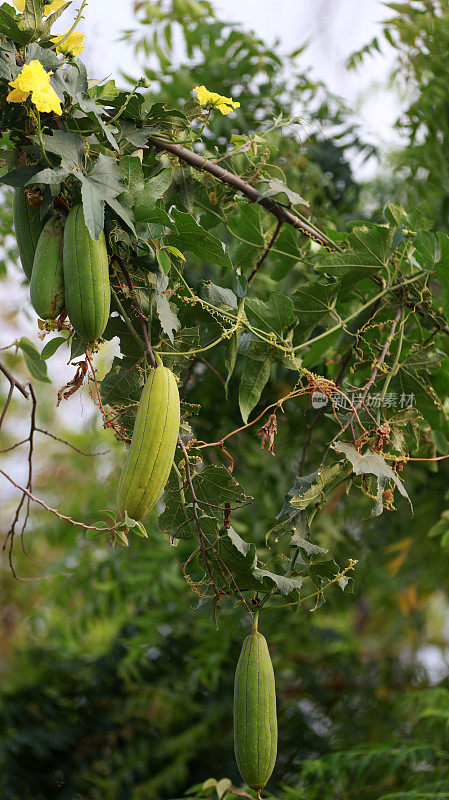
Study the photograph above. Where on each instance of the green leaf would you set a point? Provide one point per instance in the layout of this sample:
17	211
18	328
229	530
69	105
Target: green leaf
168	319
50	348
312	303
107	91
131	167
192	237
136	526
277	188
136	136
70	146
34	11
78	347
215	485
372	464
182	187
231	355
8	67
414	369
153	189
216	295
20	176
233	560
255	375
9	26
185	340
246	224
371	245
284	585
50	176
103	184
163	259
273	316
122	384
36	365
426	249
175	252
313	493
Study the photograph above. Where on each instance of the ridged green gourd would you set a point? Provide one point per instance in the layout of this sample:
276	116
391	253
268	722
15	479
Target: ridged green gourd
150	456
47	279
255	721
27	226
86	277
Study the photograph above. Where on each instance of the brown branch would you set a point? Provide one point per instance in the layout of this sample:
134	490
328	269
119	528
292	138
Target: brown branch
219	443
137	306
13	381
267	250
6	406
54	510
68	444
282	214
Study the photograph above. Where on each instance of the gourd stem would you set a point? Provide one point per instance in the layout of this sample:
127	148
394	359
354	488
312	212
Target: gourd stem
255	621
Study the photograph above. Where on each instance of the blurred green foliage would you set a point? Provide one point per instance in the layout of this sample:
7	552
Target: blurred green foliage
116	685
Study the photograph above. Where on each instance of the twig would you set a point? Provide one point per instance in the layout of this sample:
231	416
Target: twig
341	372
13	381
212	369
267	250
202	536
54	510
277	404
319	414
137	306
10	536
280	212
195	509
378	364
68	444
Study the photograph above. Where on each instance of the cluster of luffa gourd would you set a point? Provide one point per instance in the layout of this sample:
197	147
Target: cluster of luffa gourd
67	269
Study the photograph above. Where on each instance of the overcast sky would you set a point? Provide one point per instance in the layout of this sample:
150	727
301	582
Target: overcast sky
334	28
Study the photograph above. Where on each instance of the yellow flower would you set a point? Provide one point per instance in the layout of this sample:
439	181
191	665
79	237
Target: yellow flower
214	100
55	5
73	45
34	80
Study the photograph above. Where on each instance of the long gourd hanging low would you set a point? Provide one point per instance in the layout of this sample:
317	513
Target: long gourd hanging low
153	445
255	720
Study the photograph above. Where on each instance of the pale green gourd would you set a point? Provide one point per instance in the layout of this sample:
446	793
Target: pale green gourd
86	277
47	278
255	720
152	449
27	227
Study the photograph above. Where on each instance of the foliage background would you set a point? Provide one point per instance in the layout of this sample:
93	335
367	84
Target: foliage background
114	684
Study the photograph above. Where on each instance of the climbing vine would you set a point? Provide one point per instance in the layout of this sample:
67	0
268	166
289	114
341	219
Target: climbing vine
219	268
